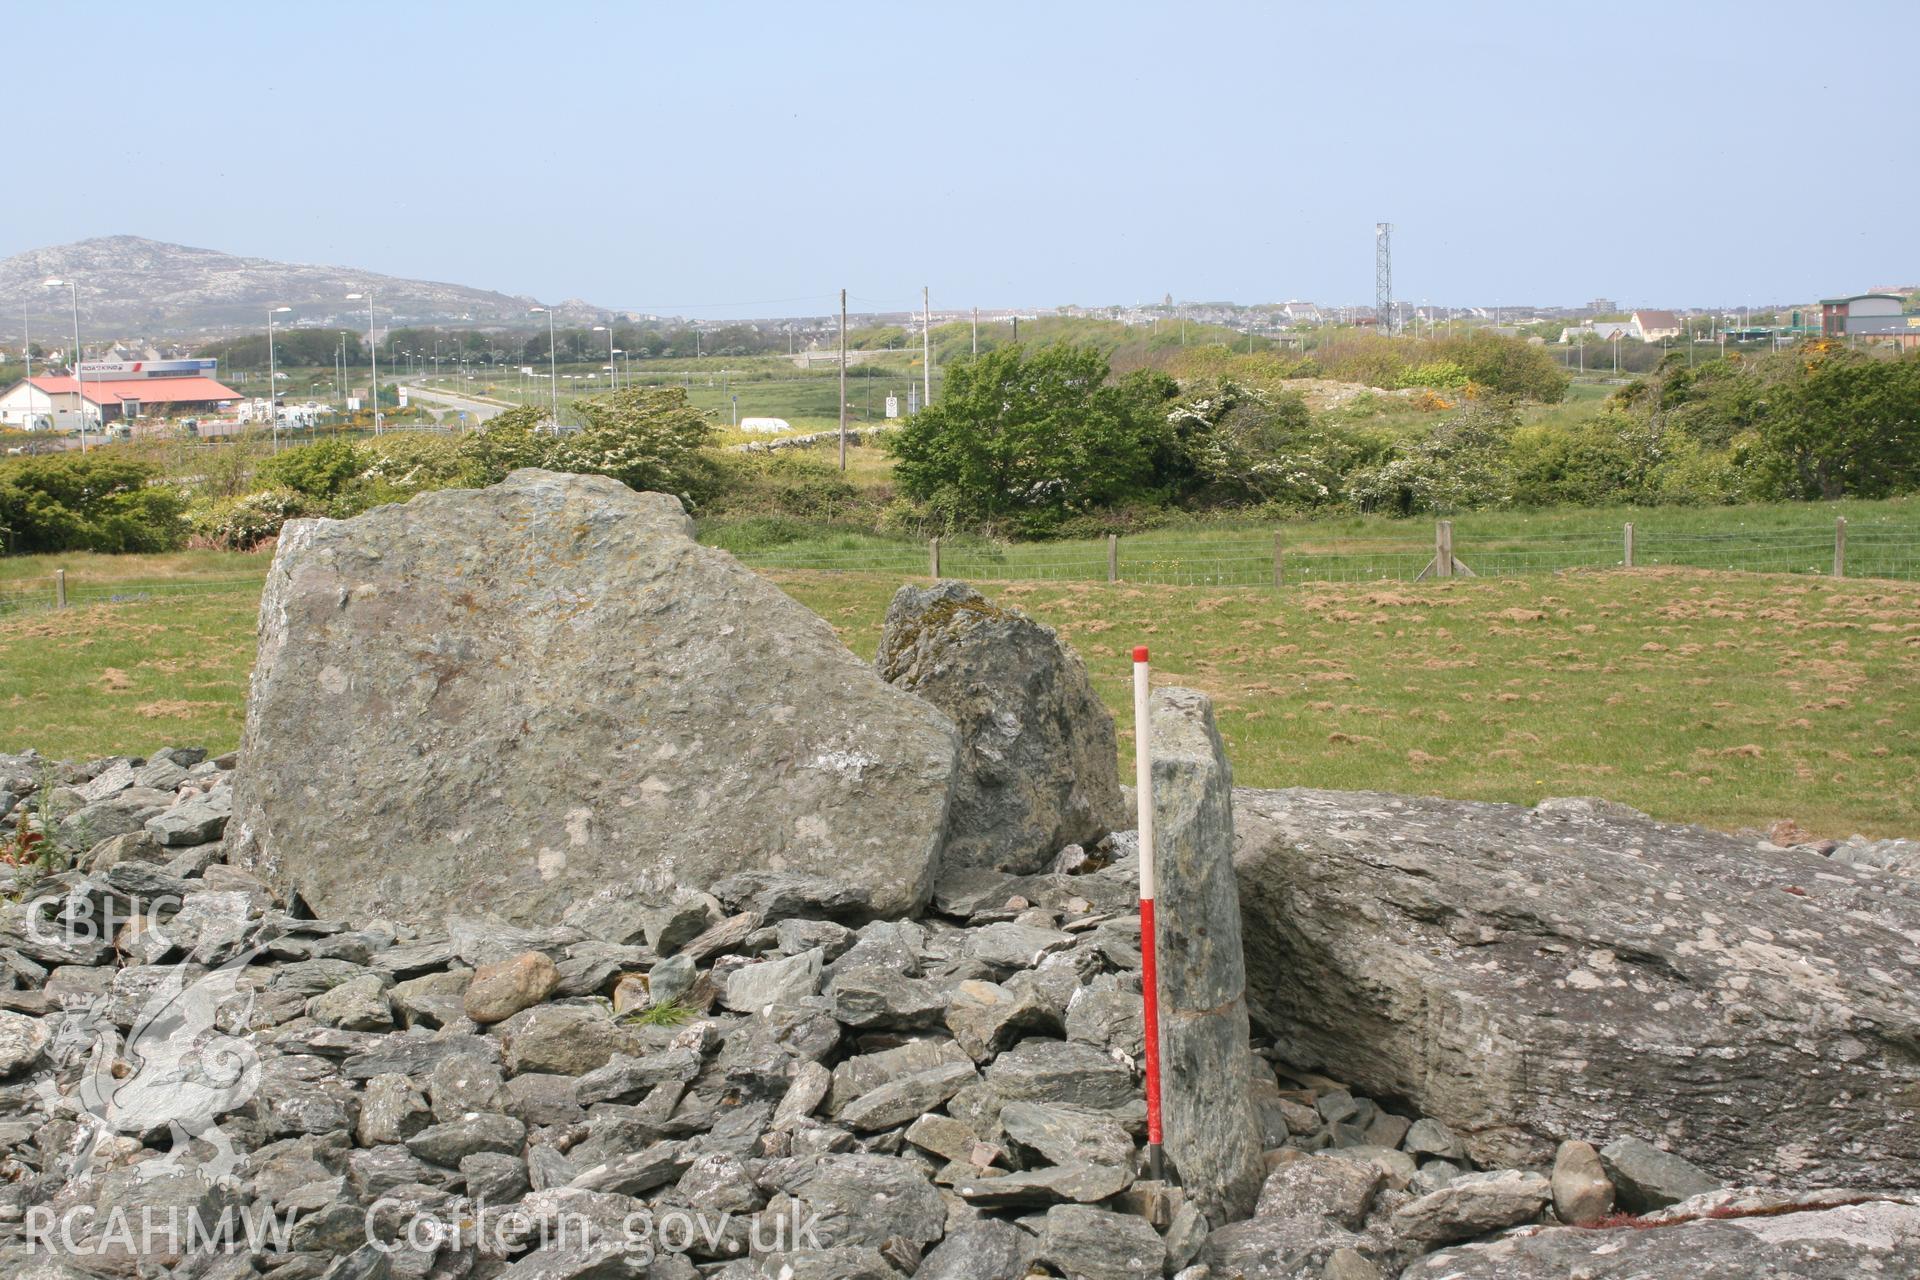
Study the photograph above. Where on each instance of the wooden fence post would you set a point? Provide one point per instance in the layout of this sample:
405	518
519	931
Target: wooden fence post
1279	572
1629	544
933	557
59	588
1113	557
1443	549
1839	546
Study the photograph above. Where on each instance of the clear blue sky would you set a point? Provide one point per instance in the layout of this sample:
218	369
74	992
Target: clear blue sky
749	158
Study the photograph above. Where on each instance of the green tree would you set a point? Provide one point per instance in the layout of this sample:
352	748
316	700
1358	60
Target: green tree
1842	424
1032	437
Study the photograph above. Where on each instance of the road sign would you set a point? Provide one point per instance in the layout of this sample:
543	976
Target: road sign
893	406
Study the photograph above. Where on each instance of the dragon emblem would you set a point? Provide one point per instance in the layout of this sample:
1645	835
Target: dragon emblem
177	1068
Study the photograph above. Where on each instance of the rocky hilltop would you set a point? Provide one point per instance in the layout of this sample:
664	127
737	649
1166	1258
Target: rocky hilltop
390	1002
148	287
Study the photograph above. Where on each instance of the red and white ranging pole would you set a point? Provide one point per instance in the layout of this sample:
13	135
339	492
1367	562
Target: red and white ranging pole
1149	982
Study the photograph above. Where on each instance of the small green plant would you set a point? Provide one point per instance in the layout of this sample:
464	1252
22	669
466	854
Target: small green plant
668	1013
35	842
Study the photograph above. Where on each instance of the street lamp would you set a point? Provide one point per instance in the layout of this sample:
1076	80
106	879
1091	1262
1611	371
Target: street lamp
273	377
79	377
553	364
373	350
608	330
26	354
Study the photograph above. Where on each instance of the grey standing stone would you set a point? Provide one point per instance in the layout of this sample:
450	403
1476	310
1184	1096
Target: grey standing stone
444	711
1039	757
1212	1132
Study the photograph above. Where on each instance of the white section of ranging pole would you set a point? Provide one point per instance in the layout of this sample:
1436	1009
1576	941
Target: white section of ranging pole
1143	770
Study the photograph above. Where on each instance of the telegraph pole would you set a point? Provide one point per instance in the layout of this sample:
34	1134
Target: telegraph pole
843	379
976	333
926	349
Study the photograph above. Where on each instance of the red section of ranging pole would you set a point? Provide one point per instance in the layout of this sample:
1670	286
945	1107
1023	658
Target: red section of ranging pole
1149	971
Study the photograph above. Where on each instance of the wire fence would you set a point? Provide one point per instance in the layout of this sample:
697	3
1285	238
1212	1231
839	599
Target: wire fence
1299	555
1284	558
61	591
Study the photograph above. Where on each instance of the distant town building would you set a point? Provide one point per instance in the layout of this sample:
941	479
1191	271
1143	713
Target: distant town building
1600	331
1869	315
114	389
1652	326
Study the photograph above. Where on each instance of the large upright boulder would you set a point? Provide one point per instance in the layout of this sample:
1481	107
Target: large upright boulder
1532	975
1039	756
1212	1133
505	699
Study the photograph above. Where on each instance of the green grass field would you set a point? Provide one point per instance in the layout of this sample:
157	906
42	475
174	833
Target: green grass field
767	386
1728	699
1883	540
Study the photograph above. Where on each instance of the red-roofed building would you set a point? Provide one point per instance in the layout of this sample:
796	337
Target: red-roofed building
42	402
